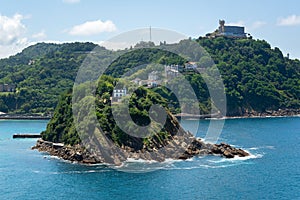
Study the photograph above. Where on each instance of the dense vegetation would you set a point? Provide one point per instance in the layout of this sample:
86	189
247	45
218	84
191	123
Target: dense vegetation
41	72
61	127
256	76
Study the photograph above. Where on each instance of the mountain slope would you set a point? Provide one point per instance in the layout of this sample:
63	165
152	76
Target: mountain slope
257	78
41	73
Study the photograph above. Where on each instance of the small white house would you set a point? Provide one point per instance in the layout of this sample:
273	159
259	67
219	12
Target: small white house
117	93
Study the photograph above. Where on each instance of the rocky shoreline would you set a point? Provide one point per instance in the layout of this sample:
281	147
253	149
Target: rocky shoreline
71	153
268	113
244	114
197	147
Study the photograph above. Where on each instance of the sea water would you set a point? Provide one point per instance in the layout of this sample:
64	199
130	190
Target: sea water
271	172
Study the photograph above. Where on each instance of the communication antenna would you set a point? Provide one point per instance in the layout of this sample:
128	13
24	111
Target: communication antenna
150	35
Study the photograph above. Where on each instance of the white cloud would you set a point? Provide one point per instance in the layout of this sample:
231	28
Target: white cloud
11	29
255	25
93	28
40	36
18	46
71	1
258	24
115	45
12	39
292	20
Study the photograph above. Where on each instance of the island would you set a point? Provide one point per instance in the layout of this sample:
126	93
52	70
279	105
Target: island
112	145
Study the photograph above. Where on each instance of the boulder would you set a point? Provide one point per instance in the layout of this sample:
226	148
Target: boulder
228	154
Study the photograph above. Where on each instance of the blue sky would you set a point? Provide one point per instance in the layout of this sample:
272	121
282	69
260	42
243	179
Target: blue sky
26	22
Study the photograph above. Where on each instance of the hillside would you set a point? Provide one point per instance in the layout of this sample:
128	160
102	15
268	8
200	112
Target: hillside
257	78
151	135
62	129
41	73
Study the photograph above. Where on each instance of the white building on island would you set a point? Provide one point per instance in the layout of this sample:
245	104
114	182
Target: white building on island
118	94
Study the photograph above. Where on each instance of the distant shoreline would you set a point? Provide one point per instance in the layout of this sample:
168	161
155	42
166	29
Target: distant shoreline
267	114
256	117
23	117
249	115
253	114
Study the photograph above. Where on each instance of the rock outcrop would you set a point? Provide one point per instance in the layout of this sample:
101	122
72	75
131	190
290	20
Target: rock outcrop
182	151
71	153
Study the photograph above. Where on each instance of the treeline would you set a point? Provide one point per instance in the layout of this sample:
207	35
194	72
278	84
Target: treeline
62	128
41	72
256	76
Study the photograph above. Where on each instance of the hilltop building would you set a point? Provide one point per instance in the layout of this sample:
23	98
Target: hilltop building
228	31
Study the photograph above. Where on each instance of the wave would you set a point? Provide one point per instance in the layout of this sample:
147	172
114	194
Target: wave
261	147
81	172
200	162
74	171
142	166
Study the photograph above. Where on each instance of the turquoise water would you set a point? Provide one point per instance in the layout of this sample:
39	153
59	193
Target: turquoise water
273	172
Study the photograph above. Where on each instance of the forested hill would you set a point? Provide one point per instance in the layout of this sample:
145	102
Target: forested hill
41	73
256	76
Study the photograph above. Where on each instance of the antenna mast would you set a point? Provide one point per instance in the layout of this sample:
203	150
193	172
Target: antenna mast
150	35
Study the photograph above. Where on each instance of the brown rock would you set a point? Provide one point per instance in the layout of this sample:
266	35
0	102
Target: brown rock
228	154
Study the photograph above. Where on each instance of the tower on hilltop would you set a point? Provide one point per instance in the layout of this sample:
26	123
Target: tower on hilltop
228	31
